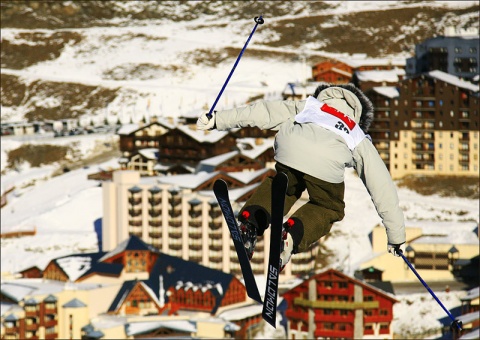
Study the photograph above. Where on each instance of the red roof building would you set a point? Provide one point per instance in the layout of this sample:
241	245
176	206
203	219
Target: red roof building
331	304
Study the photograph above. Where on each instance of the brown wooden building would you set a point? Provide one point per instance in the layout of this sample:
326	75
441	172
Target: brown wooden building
427	125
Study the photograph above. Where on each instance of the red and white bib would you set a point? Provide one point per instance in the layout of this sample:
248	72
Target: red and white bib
329	118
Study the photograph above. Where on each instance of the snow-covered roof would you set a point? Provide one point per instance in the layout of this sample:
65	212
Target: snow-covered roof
454	80
132	243
127	129
201	136
216	160
251	148
387	91
149	153
458	237
247	176
137	328
241	313
75	266
239	192
472	294
378	76
474	335
188	181
358	60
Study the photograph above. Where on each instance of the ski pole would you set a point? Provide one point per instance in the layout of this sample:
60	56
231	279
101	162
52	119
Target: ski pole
258	21
457	323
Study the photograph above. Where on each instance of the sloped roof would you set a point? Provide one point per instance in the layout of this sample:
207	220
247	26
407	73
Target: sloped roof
125	290
132	243
378	75
453	80
188	181
174	270
361	283
138	328
387	91
74	303
201	136
76	265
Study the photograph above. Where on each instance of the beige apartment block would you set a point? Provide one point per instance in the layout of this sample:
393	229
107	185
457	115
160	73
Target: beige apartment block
431	249
181	222
54	310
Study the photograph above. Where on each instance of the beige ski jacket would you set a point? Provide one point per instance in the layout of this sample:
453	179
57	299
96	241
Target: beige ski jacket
322	153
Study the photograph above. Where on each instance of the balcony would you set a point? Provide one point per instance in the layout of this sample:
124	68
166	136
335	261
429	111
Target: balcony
135	223
215	247
135	233
215	225
215	236
175	246
195	246
215	213
195	224
155	212
336	304
50	323
296	315
175	212
197	259
175	234
154	201
155	234
134	201
215	259
155	223
135	212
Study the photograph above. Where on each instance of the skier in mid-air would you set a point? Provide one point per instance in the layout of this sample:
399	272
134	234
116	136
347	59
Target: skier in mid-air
317	139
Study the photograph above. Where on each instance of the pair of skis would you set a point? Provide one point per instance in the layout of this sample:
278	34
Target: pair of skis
279	187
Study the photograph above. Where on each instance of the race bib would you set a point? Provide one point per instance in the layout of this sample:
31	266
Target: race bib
331	119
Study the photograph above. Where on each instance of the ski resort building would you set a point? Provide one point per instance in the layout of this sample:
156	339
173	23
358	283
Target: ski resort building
427	125
179	215
436	249
132	291
456	53
330	304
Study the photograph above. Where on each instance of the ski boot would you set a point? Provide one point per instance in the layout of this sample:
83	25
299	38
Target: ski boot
249	234
286	247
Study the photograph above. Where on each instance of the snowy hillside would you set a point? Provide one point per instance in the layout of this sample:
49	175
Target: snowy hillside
128	64
132	60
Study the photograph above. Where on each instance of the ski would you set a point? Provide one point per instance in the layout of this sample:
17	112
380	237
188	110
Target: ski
220	190
279	187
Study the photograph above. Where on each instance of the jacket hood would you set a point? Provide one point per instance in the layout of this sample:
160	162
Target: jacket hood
348	99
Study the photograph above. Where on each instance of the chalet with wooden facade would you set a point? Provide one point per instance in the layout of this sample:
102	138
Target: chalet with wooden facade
134	137
331	304
341	70
365	80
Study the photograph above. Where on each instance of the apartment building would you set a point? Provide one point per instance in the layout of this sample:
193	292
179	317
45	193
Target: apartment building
456	53
427	125
180	216
434	249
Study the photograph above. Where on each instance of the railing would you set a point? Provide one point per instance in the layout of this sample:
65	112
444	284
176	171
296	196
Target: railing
336	304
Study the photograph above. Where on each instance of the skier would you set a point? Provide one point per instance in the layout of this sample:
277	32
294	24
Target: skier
317	139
